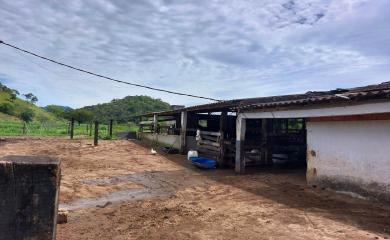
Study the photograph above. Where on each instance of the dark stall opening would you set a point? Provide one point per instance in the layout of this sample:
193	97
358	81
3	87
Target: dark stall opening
280	143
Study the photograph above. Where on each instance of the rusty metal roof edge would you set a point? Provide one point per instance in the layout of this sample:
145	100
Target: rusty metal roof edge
291	99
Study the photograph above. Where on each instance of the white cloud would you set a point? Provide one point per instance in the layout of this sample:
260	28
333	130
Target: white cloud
221	49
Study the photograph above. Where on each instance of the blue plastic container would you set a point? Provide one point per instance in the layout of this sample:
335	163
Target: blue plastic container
203	162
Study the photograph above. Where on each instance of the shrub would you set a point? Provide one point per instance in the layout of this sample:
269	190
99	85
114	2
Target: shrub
7	108
27	115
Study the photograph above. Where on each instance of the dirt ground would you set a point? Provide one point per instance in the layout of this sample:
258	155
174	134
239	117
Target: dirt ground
118	190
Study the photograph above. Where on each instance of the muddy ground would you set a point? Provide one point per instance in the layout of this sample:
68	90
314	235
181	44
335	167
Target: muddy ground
118	190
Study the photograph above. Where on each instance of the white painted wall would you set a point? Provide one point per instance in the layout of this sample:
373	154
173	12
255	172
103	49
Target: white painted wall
355	150
318	111
162	139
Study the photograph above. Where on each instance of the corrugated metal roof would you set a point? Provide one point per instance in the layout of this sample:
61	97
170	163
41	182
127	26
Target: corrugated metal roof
377	91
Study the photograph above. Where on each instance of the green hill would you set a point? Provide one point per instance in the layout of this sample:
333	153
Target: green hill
122	110
11	107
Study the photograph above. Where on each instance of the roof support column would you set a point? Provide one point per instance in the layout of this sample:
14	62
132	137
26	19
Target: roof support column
240	144
222	130
155	123
183	132
265	154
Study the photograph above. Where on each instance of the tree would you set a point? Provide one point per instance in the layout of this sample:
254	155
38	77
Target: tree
59	111
28	96
82	115
31	97
14	94
27	116
34	100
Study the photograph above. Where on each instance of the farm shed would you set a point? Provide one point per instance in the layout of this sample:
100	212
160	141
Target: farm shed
339	136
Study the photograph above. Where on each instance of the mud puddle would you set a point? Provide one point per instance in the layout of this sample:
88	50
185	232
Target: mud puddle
154	184
124	195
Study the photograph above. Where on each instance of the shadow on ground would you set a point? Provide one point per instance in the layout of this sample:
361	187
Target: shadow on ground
364	214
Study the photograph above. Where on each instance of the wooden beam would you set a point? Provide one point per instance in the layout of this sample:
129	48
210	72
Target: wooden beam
240	142
264	137
210	133
210	143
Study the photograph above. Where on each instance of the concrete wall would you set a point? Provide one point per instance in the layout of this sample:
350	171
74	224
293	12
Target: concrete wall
350	156
162	139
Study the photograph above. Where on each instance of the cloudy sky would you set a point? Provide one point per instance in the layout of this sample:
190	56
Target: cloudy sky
216	48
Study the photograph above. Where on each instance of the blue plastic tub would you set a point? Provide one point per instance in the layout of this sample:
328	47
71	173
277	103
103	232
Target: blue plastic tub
203	162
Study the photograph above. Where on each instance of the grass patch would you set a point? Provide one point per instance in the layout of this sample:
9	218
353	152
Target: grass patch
15	128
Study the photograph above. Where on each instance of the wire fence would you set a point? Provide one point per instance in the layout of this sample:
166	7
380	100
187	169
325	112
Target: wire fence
12	128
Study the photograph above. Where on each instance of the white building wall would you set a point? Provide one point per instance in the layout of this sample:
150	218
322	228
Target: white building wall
350	155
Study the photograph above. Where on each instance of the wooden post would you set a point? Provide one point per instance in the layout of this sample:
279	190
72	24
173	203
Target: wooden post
240	144
71	128
183	132
222	129
90	128
264	145
110	128
96	136
24	128
29	188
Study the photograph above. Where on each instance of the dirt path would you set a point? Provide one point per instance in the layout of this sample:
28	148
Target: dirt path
119	191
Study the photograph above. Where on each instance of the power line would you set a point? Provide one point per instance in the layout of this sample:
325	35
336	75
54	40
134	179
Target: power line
105	77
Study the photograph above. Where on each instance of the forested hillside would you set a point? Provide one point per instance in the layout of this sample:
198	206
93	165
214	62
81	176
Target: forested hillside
14	108
122	110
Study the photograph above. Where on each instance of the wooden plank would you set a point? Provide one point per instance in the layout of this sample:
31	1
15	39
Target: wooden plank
207	152
211	148
211	138
210	133
206	142
29	187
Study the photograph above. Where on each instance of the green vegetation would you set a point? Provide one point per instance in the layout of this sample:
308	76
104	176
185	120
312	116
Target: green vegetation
19	117
123	110
14	107
15	128
59	111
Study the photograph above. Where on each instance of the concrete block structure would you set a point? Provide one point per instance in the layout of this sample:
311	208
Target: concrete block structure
29	188
340	137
